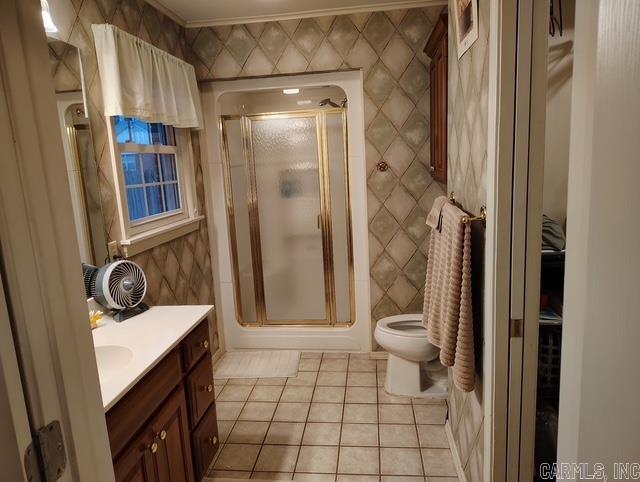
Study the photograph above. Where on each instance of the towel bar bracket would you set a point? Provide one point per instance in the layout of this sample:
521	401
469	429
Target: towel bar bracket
469	219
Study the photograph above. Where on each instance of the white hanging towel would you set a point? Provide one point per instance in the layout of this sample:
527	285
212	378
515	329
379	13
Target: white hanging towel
447	313
143	81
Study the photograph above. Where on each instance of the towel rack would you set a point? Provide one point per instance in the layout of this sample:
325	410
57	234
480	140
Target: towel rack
469	218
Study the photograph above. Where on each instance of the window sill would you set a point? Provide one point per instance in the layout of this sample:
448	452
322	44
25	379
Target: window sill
155	237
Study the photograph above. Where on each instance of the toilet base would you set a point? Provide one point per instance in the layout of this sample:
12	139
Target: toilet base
406	378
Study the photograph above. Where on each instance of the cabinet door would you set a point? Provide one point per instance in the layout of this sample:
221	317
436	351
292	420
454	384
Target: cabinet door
171	429
137	462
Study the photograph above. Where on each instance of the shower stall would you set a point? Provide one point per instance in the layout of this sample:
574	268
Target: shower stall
287	196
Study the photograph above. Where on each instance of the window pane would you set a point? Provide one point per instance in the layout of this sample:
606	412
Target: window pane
150	167
154	200
135	200
140	131
123	133
168	167
172	198
136	131
131	167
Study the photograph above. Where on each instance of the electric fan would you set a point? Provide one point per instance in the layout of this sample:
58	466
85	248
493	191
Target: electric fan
119	286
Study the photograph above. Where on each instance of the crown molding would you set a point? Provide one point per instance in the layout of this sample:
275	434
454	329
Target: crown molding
168	12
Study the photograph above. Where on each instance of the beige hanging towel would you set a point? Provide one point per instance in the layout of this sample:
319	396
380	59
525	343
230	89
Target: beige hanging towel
447	313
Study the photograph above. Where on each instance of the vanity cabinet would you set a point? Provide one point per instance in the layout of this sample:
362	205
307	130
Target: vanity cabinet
437	49
165	429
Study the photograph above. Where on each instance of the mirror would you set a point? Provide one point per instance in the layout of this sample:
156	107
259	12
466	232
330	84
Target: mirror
82	169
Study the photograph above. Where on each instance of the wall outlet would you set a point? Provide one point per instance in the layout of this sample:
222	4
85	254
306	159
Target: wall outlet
112	250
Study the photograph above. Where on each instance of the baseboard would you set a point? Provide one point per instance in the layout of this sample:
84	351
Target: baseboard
454	452
378	355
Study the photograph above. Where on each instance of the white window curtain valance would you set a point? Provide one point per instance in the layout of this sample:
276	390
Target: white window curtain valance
140	80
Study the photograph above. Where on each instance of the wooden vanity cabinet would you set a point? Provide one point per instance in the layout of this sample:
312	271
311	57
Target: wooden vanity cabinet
165	428
437	49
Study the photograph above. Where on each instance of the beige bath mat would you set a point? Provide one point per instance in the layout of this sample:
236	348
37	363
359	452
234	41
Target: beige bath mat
258	364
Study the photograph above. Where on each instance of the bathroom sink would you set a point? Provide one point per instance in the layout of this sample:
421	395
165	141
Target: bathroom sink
112	359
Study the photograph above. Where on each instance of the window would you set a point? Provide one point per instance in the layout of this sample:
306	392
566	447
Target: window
155	177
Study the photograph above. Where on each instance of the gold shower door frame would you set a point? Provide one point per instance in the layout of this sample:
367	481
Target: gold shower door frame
254	221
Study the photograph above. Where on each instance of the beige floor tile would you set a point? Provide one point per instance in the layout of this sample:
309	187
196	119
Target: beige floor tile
217	391
309	364
303	379
403	478
396	414
381	365
334	354
433	436
297	394
361	395
224	429
438	462
360	413
384	397
430	414
272	475
311	354
441	479
322	434
325	412
358	478
277	458
272	381
267	393
359	365
228	410
291	412
334	365
359	356
242	381
235	393
248	432
317	459
332	379
237	457
258	411
400	461
301	477
382	376
328	395
221	382
392	435
229	474
359	460
285	433
428	401
359	435
361	379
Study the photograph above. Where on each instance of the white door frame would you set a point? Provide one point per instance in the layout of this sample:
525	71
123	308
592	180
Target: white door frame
44	286
515	154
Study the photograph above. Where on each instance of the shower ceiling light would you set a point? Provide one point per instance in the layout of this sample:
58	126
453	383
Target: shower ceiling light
303	102
290	91
49	26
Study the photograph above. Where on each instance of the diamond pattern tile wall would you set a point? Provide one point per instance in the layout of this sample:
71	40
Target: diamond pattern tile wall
178	272
387	46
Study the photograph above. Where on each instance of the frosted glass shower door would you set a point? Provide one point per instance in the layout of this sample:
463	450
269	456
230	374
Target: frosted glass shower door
289	205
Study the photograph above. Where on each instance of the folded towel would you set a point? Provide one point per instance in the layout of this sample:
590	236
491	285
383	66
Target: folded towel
447	312
434	217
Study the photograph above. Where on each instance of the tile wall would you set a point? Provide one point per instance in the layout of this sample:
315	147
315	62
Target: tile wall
178	272
467	151
388	47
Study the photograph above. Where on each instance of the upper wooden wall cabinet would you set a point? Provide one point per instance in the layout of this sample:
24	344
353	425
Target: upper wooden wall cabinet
436	49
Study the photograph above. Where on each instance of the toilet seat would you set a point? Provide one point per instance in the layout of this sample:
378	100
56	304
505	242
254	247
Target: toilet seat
403	325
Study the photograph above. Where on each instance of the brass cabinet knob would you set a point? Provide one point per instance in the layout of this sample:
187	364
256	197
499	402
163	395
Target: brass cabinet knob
209	388
163	435
153	448
213	440
205	344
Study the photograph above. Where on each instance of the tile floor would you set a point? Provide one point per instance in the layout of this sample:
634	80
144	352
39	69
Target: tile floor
333	422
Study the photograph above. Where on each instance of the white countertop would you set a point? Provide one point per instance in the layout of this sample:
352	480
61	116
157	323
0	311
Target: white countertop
136	345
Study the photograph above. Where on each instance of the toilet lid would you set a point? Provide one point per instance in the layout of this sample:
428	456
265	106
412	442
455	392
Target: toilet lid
413	328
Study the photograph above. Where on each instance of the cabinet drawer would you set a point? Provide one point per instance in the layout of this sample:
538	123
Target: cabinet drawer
205	442
129	415
195	345
200	390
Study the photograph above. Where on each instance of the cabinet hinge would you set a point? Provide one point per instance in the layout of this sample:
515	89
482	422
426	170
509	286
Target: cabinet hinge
516	328
45	458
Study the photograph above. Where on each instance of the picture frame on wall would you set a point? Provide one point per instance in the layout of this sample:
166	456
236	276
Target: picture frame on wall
465	18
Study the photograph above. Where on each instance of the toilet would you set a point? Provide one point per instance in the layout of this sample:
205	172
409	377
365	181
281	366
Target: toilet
413	366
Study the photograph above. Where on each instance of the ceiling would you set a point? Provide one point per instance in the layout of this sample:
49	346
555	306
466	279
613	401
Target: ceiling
199	13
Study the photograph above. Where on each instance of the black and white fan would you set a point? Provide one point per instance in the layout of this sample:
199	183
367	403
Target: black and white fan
118	286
